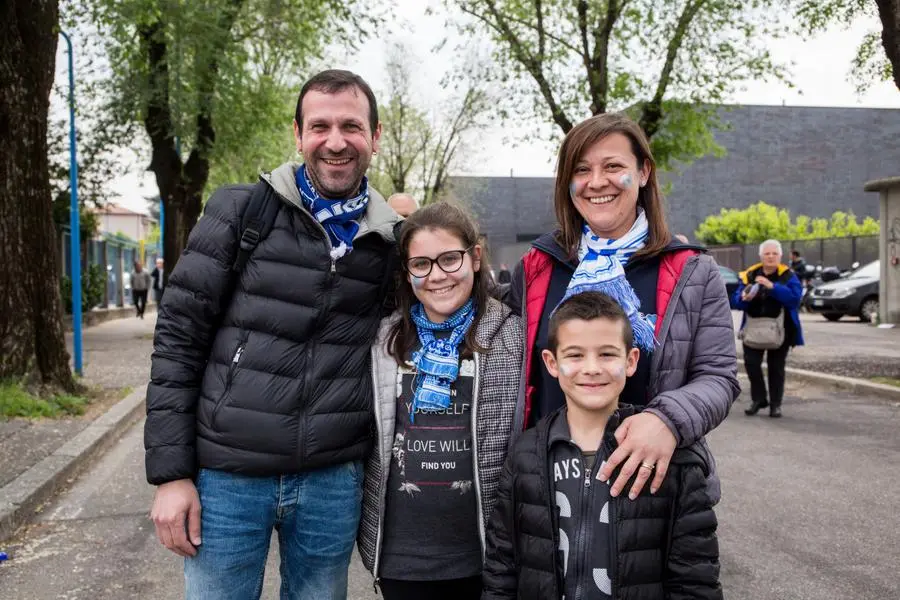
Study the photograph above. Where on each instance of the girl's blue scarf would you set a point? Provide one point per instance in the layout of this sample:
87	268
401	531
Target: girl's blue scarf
602	269
437	362
338	217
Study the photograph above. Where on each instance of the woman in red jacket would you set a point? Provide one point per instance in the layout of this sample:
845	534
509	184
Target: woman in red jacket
613	238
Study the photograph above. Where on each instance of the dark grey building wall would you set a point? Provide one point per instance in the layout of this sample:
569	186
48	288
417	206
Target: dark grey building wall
812	161
809	160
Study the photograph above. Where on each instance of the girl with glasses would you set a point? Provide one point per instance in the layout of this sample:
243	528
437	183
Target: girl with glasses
446	367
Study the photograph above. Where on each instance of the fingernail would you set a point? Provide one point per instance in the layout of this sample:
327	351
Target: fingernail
632	496
198	542
602	477
653	490
613	493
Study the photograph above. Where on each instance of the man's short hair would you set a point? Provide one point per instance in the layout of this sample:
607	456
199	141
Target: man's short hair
795	253
333	81
588	306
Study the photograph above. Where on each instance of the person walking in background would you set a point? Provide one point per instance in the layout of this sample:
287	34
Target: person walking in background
769	294
259	408
403	204
158	280
140	286
556	532
613	238
504	276
447	366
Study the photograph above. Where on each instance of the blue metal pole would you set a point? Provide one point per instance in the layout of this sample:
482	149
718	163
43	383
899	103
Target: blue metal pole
74	219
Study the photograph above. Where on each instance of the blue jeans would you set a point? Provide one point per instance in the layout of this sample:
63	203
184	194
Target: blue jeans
315	513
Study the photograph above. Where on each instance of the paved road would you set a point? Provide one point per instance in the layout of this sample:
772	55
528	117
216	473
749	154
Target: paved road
809	513
839	348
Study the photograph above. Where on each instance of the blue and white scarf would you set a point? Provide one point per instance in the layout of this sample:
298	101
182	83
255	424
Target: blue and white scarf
338	217
602	269
437	361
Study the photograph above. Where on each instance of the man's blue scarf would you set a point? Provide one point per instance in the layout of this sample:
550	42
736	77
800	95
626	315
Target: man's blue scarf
338	217
437	362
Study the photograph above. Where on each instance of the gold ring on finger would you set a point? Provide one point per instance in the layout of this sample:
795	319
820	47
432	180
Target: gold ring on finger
648	466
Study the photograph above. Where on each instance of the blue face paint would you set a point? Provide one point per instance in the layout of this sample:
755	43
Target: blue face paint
572	190
626	181
417	282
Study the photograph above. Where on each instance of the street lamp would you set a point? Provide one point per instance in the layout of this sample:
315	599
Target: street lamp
74	220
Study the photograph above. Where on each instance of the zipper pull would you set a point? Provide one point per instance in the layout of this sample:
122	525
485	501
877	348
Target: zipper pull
376	583
587	479
333	266
237	355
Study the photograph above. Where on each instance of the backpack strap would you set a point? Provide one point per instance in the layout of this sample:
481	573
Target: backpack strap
256	223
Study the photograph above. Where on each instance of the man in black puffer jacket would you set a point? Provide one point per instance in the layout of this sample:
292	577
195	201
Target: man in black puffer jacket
556	531
259	410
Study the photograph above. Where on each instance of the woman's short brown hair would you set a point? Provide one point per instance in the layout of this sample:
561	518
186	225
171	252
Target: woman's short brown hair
576	143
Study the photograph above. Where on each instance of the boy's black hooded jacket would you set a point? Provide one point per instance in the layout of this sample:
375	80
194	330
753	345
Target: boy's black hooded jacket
664	545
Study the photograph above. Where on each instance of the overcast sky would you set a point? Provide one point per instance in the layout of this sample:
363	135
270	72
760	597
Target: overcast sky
819	74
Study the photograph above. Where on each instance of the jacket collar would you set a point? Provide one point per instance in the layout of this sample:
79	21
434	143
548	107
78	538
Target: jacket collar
378	218
559	425
548	244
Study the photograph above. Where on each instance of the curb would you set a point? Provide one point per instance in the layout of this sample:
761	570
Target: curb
22	496
851	384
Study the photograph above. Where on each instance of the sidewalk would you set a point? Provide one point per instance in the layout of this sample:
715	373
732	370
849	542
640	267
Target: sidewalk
40	456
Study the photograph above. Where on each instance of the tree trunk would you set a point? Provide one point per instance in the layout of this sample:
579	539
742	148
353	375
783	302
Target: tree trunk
889	11
32	342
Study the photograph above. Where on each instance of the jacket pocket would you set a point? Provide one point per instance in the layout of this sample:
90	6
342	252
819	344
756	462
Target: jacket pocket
232	368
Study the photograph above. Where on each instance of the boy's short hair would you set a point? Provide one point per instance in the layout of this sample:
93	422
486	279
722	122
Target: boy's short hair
588	306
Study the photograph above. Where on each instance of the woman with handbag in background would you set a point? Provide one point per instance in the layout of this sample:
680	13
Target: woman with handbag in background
769	295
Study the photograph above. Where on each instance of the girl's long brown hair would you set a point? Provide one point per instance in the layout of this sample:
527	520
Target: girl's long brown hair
578	141
403	337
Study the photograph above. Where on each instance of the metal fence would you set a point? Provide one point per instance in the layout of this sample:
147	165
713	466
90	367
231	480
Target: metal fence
839	252
115	256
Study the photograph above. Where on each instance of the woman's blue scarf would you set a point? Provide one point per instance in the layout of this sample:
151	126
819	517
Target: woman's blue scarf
437	362
338	217
602	269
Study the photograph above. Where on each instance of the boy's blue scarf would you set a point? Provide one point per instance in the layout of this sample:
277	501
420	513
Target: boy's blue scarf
437	362
602	269
338	217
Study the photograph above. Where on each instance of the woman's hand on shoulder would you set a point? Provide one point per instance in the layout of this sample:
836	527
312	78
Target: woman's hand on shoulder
644	439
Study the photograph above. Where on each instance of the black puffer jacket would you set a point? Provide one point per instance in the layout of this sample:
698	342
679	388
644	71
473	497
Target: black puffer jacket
272	378
664	546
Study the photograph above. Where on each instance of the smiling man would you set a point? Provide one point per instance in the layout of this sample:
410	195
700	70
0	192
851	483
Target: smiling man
259	406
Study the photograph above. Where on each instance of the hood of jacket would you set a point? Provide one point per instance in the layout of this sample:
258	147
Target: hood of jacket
378	218
744	274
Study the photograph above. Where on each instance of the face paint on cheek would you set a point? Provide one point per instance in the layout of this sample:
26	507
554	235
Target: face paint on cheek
619	372
626	181
417	282
567	370
572	190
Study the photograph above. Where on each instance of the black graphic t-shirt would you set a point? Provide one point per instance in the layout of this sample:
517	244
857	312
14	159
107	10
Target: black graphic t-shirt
431	516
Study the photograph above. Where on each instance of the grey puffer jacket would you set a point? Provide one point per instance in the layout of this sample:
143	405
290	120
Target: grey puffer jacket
266	372
498	377
693	371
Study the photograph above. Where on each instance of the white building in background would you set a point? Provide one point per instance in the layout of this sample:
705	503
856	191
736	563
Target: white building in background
115	218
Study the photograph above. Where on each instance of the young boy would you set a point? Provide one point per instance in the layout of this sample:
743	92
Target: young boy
555	531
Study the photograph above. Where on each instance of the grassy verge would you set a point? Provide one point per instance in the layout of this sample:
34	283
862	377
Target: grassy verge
15	401
887	380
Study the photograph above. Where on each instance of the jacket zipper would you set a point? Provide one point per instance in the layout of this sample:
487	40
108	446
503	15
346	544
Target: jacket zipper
475	474
242	342
656	357
581	545
383	479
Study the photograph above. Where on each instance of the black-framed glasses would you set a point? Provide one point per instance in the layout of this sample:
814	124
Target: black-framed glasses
449	262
